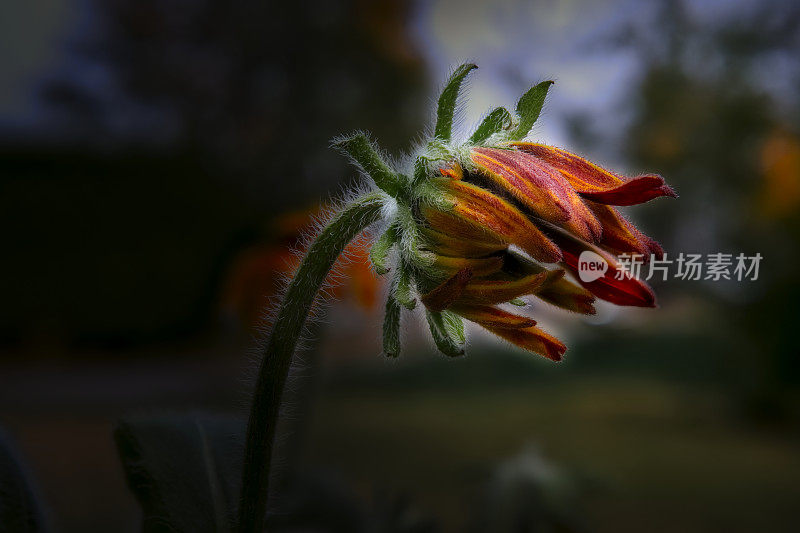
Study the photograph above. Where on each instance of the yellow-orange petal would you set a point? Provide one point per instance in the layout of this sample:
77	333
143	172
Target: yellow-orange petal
491	291
556	289
453	245
479	266
566	295
596	183
538	187
490	316
486	212
620	236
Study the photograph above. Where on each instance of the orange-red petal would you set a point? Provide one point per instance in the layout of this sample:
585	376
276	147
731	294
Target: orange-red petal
534	340
596	183
539	187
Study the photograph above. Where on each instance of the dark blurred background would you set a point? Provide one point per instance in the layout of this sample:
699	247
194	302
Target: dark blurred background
159	158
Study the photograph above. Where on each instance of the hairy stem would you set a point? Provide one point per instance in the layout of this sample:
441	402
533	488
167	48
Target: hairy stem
280	348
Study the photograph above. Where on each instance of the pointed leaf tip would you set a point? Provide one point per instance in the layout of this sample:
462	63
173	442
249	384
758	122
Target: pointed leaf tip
446	108
529	107
363	153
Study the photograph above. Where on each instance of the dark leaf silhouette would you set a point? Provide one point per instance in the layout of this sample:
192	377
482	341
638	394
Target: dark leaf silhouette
21	511
183	469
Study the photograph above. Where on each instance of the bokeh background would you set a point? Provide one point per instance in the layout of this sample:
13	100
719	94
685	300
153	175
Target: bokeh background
159	158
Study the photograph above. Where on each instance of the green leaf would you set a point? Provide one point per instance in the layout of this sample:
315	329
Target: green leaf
185	471
364	154
519	302
447	329
447	102
20	508
498	120
529	108
379	253
391	327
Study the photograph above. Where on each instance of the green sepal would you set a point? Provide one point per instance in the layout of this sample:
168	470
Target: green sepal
519	302
420	170
379	253
391	327
496	121
447	329
411	242
529	107
364	154
402	286
446	109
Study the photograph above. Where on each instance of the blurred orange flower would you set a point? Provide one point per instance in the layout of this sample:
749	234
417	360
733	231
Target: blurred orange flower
780	164
257	273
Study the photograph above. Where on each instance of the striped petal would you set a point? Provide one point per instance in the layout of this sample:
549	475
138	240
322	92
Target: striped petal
622	237
596	183
539	187
477	210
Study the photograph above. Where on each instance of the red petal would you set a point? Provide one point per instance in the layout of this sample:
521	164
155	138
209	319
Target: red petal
627	290
636	191
622	237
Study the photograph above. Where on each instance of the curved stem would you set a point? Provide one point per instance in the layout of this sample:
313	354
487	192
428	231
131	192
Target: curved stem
280	348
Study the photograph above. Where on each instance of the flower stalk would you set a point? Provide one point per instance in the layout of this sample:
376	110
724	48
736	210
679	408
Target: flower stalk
297	302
